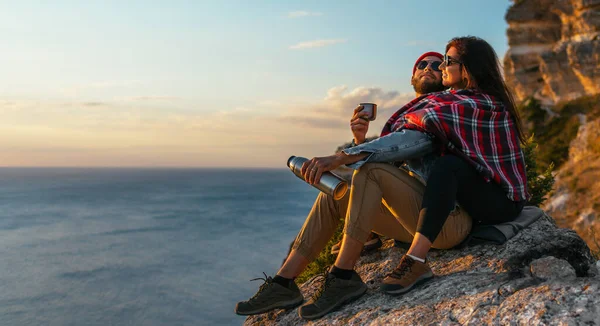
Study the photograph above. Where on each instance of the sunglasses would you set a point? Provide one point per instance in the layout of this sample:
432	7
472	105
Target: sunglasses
448	60
435	65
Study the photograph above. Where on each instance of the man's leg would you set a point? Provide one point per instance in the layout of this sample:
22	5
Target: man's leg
343	284
319	227
281	291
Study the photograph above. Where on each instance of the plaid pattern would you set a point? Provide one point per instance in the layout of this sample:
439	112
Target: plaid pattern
471	125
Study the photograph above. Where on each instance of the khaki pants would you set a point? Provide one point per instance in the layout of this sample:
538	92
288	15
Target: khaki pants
383	199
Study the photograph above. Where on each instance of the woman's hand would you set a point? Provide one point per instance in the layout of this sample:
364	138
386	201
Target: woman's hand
359	124
314	168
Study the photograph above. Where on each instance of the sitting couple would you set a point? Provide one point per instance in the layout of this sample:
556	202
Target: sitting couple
463	142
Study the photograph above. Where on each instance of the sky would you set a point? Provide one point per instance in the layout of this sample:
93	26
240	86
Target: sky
211	83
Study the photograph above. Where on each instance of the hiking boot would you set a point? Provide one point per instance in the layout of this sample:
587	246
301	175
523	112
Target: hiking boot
373	243
270	296
408	274
333	294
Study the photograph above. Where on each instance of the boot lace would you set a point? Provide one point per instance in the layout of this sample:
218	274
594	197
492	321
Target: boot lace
268	280
405	266
326	283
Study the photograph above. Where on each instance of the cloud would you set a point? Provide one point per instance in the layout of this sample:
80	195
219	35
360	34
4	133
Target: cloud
93	104
128	134
314	122
336	109
316	44
302	13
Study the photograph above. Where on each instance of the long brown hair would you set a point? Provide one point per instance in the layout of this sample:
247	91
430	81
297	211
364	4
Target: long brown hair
480	62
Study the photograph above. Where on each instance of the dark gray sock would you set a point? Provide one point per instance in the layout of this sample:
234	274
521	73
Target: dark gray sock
344	274
285	282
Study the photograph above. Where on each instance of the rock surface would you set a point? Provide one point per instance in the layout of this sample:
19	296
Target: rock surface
551	268
554	49
486	284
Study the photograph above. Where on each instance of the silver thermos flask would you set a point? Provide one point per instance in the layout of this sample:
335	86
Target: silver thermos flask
330	183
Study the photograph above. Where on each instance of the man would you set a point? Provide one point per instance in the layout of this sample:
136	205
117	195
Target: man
424	80
342	285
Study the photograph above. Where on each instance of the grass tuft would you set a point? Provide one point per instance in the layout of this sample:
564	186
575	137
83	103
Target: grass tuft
324	260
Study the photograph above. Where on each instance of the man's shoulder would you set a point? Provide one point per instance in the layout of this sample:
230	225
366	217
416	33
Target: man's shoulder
438	97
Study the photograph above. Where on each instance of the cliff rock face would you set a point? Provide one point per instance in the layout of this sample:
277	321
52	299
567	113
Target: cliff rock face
554	51
575	202
544	275
554	56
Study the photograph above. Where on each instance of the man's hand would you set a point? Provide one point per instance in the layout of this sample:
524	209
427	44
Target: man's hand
359	124
313	169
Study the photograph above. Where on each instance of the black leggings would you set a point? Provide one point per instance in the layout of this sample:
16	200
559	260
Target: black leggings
452	180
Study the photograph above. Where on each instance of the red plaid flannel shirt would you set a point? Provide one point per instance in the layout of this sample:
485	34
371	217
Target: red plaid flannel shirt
474	126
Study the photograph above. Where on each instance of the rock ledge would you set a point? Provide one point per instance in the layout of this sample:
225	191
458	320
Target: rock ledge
485	284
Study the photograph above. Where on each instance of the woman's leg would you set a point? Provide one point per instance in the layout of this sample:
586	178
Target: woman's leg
452	179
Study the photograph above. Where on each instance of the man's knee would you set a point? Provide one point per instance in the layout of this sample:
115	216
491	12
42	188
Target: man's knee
370	168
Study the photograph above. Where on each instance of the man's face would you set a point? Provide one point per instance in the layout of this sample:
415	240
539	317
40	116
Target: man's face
426	79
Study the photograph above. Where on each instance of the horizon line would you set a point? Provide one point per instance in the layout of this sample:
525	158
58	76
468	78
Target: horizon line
146	167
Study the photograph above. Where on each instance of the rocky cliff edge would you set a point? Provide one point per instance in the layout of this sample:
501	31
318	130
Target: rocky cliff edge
544	275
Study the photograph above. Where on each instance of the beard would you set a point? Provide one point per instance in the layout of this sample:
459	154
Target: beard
427	86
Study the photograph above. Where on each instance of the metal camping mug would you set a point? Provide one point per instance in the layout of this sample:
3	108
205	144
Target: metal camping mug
371	108
330	183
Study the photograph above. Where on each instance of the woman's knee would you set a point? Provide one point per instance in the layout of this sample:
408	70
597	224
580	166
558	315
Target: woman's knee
449	161
450	164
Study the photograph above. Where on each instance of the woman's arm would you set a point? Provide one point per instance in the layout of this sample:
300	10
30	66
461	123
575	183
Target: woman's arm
397	146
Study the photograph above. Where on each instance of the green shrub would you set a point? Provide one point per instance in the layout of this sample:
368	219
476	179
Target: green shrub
324	260
557	132
539	180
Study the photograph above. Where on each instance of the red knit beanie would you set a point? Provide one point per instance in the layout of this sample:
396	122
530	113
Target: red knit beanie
427	54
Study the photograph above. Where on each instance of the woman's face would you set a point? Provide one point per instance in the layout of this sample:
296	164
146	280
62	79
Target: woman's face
452	70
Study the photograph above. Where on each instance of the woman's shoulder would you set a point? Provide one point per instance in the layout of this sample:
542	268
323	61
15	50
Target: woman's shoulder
465	97
446	97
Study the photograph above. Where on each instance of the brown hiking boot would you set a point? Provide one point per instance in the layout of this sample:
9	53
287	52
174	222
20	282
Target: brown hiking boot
407	274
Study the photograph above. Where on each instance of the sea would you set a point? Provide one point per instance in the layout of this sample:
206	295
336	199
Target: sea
141	246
